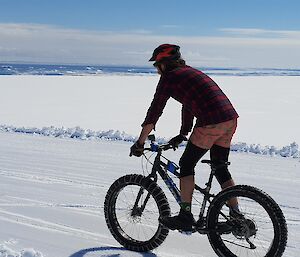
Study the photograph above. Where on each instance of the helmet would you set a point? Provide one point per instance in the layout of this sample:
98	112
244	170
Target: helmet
166	52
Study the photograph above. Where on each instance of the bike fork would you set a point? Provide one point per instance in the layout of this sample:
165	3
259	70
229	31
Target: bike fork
137	211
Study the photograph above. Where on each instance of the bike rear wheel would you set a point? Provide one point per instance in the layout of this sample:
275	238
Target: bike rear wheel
132	207
261	231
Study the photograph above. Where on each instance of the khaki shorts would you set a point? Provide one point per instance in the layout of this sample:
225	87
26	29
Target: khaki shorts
216	134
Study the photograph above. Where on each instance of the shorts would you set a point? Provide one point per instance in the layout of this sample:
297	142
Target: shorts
215	134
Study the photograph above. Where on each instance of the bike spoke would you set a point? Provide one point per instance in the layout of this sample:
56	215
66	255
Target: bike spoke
258	242
137	226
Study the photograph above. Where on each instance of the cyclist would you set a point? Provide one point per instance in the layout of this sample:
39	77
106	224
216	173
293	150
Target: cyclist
216	122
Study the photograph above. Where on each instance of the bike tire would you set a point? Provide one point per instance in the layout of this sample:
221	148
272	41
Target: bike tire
270	237
121	227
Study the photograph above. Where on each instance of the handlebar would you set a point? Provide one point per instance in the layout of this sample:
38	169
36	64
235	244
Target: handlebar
156	147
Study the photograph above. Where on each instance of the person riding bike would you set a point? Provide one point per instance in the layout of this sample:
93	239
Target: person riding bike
216	122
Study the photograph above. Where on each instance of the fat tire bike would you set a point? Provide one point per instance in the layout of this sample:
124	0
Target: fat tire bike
134	204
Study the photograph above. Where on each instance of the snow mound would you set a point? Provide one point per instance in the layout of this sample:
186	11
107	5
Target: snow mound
7	252
77	133
291	150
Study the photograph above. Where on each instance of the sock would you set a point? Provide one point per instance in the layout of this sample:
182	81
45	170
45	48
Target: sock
186	206
236	207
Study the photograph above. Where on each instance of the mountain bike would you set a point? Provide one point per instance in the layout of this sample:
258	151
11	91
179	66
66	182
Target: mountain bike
134	204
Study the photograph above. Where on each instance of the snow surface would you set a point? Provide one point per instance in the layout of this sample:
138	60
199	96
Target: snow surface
291	150
269	107
52	193
52	187
7	252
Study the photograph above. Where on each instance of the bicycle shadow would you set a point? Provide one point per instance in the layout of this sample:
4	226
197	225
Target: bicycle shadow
114	253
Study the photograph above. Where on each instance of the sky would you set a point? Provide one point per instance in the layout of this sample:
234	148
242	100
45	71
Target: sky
229	33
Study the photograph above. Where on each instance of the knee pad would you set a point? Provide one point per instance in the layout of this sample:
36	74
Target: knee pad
187	168
189	159
219	153
222	175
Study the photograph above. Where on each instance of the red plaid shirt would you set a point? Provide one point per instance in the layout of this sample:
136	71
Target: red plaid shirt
199	95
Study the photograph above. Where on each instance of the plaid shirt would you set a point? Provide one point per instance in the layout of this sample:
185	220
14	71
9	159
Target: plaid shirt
199	95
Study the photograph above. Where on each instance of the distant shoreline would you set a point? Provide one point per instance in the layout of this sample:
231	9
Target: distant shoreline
88	70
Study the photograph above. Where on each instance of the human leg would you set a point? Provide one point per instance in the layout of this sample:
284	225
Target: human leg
219	154
187	163
185	220
202	139
187	185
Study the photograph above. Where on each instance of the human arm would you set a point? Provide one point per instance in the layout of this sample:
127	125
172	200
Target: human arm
186	127
187	119
158	104
138	147
154	112
146	130
177	140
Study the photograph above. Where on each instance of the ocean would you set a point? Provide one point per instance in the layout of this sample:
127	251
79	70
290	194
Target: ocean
82	70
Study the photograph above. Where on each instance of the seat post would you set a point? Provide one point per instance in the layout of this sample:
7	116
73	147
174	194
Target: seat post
212	173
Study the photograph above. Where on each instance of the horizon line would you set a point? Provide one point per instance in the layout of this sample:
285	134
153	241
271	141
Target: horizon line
143	66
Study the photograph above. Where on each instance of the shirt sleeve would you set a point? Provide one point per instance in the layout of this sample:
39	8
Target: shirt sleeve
158	103
187	119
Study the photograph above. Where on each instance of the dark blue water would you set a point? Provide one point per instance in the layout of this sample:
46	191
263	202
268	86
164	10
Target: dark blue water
81	70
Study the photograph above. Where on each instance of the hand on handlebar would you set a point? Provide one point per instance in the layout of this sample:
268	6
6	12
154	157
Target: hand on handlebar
177	140
136	149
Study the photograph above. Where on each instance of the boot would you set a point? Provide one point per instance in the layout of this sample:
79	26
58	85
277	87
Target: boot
235	213
184	221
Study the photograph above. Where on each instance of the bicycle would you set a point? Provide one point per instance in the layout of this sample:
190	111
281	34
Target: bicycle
134	203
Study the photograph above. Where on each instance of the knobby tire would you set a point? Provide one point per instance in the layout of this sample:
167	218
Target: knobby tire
160	207
270	211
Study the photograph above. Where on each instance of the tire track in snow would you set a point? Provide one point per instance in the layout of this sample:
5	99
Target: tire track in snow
49	226
91	210
46	179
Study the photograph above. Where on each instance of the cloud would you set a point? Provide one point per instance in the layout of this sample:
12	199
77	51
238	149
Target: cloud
50	44
262	32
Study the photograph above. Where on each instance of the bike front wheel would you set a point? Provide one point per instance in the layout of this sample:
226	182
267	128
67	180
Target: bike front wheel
132	207
259	230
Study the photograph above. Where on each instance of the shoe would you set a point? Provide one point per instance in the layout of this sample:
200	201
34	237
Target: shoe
184	221
235	213
227	226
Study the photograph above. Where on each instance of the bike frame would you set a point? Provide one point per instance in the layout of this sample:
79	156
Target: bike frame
162	168
215	220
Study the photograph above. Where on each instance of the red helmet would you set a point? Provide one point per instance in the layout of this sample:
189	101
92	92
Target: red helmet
166	52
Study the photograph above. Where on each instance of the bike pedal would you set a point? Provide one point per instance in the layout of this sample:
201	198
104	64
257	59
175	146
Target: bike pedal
187	233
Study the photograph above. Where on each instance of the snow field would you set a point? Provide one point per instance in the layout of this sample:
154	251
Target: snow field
53	189
268	106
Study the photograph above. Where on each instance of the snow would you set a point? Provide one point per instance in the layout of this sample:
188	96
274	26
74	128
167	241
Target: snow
6	252
53	189
291	150
64	145
268	106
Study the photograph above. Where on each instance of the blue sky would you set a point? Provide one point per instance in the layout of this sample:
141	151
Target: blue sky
211	33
